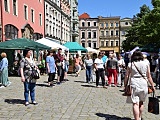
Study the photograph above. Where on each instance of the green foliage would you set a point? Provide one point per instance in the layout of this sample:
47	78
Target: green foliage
145	28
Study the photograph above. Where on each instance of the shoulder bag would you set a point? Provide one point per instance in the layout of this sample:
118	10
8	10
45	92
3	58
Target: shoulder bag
35	73
150	89
127	91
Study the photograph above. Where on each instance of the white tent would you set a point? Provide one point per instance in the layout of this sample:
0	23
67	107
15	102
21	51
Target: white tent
92	50
51	44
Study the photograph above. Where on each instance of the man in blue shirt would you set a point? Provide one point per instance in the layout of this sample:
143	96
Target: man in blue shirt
104	58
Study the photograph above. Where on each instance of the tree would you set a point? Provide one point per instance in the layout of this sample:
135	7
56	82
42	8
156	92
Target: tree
134	33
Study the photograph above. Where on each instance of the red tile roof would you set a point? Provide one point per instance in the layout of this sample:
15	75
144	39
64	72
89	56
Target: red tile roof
84	16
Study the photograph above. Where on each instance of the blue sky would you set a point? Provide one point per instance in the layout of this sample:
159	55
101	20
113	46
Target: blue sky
106	8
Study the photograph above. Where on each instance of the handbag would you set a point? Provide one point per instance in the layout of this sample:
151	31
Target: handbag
150	89
153	104
127	91
35	73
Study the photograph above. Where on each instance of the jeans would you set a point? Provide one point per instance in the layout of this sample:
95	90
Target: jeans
29	87
88	73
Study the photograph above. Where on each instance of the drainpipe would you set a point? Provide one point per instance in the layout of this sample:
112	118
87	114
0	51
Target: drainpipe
1	19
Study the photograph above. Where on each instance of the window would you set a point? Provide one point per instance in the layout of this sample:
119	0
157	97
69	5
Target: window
106	24
117	32
102	25
89	44
102	33
111	43
11	32
95	23
40	19
83	24
15	7
6	5
32	15
94	34
25	12
111	24
107	33
37	36
83	44
106	43
89	34
83	35
117	43
112	33
102	43
117	24
126	23
123	32
46	29
88	24
94	45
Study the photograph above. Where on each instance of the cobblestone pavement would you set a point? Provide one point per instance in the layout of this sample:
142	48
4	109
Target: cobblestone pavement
72	100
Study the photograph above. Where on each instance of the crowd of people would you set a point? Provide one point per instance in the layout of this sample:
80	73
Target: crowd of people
107	68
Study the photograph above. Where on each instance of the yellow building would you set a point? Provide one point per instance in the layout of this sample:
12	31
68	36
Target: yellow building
109	37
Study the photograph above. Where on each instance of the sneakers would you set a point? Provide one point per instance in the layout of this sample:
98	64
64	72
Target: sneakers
34	103
1	86
26	103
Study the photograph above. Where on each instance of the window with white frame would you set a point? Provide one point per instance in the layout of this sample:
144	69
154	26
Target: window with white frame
95	45
107	32
111	24
102	33
14	7
25	12
6	5
94	34
106	24
106	43
83	44
95	23
89	44
117	43
102	25
83	35
112	33
89	24
102	43
117	32
83	24
117	24
32	15
40	19
89	34
112	43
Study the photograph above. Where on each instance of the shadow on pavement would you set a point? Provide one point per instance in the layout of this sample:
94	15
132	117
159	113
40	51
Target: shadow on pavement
80	81
112	117
88	85
42	85
14	101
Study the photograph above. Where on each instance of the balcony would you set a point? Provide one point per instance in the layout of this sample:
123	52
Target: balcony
75	33
109	36
75	9
75	20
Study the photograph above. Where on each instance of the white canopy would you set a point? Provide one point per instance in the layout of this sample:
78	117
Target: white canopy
51	44
92	50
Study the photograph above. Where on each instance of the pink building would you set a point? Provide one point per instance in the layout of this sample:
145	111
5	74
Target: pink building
22	18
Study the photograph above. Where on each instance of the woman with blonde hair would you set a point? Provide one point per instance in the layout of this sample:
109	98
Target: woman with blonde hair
4	70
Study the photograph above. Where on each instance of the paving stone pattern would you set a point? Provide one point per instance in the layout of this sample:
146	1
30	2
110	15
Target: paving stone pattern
72	100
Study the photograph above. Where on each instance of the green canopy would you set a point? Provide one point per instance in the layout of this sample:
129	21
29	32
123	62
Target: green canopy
22	43
74	46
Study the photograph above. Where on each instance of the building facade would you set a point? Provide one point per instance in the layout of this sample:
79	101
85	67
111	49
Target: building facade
74	21
109	37
125	24
22	18
53	19
88	31
66	21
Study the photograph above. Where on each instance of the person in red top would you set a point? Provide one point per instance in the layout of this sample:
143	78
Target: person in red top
60	71
77	64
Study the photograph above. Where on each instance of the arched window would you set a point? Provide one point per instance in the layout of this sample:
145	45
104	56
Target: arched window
37	36
11	32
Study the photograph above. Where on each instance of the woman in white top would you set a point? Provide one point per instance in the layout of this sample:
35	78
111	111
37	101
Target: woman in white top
98	64
139	87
